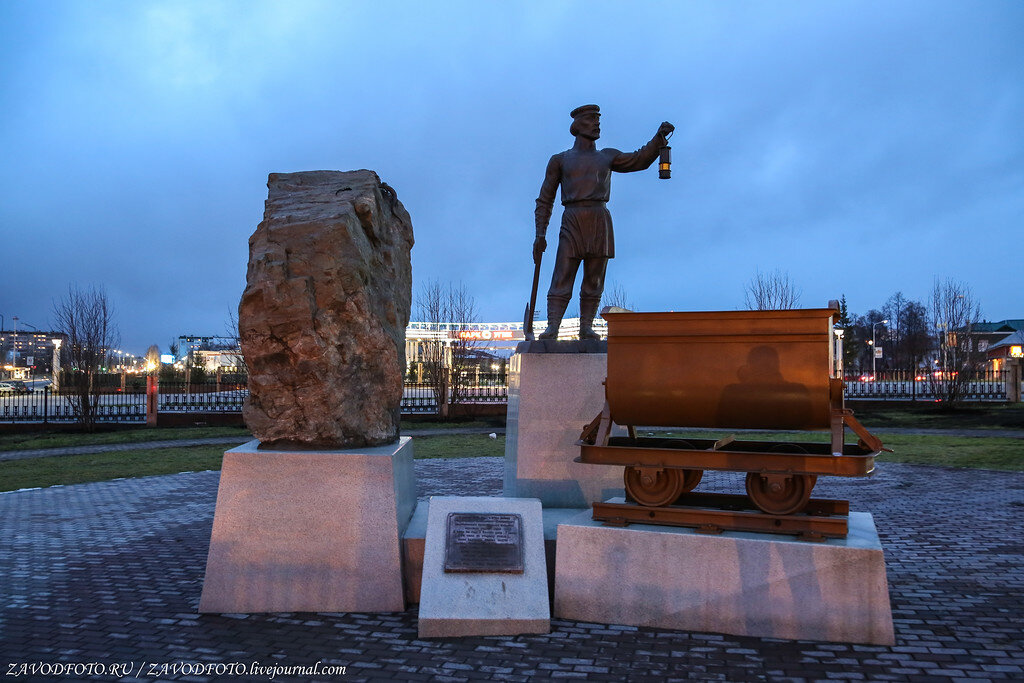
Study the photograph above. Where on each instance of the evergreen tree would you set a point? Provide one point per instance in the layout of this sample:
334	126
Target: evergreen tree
850	336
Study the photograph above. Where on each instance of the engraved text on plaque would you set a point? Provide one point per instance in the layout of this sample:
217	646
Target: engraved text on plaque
484	542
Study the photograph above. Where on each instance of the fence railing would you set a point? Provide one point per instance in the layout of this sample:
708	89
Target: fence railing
984	385
49	405
222	397
126	402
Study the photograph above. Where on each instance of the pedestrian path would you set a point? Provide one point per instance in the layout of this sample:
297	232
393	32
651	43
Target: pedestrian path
179	443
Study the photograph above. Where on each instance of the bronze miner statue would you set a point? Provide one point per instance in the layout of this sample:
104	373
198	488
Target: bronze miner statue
584	172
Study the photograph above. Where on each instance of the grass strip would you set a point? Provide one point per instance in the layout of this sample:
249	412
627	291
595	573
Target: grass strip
79	469
34	440
141	434
458	446
988	453
971	452
930	415
145	462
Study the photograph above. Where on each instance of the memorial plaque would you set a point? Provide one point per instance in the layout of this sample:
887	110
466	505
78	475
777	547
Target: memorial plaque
484	542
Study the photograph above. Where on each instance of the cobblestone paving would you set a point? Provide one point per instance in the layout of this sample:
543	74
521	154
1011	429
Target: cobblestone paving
111	572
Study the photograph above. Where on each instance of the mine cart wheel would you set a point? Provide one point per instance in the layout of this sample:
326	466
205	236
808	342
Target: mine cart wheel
780	494
653	486
690	479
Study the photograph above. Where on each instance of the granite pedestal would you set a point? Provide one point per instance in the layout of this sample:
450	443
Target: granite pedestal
486	603
310	531
415	539
736	583
552	395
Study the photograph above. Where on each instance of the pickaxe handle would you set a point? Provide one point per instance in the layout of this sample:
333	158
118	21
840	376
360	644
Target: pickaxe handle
532	306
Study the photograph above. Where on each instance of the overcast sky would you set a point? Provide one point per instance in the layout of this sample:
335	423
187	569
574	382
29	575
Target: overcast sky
862	147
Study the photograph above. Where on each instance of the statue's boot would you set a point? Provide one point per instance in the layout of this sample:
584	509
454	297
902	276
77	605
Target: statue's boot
556	309
588	309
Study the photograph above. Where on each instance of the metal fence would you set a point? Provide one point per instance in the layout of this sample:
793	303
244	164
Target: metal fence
220	397
126	401
478	387
984	385
48	405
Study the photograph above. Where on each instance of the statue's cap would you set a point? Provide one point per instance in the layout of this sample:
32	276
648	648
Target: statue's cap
585	109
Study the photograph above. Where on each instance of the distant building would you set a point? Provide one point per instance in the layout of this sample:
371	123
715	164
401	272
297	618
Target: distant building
499	338
491	342
188	343
985	335
27	352
212	361
1006	350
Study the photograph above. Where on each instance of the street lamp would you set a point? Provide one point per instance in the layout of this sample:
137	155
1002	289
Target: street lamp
56	363
874	349
14	363
838	360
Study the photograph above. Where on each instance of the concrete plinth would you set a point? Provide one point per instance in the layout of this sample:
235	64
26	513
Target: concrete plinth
551	397
456	604
415	538
310	531
736	583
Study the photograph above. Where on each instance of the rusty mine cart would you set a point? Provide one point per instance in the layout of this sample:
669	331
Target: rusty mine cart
765	370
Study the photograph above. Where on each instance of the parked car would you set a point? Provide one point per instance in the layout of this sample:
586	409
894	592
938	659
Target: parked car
14	387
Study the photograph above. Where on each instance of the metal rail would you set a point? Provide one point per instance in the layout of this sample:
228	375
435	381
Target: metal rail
716	513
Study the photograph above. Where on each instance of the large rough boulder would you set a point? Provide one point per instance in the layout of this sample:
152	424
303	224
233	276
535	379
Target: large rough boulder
323	316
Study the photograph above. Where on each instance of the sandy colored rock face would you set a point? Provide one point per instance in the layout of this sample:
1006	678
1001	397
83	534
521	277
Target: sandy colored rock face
323	316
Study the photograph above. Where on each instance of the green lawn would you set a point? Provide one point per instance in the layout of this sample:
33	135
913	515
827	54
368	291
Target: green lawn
928	415
122	435
144	462
62	439
78	469
949	451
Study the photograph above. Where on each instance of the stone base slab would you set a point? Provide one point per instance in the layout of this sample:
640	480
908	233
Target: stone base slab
310	531
736	583
454	604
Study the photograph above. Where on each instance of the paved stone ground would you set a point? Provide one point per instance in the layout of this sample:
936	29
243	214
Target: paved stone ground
111	572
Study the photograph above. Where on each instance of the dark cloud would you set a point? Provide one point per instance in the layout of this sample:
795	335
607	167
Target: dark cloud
862	147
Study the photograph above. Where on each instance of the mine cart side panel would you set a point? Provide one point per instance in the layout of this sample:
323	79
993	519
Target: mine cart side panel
721	369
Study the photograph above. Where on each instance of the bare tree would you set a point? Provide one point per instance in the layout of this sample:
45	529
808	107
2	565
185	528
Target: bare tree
86	317
894	311
616	297
231	328
447	360
771	291
954	312
914	338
